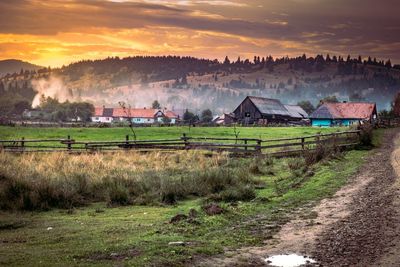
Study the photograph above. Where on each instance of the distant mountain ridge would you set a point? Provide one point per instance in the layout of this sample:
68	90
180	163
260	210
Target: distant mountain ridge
188	82
15	65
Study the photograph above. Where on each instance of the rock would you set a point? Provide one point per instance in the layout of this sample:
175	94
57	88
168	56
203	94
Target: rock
213	209
177	218
177	243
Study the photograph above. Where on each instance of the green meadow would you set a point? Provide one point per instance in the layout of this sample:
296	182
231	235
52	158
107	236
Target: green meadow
144	133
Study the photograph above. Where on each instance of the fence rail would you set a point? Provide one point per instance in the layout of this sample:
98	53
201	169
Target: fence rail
237	146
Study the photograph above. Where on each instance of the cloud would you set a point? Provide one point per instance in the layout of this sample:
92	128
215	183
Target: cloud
69	29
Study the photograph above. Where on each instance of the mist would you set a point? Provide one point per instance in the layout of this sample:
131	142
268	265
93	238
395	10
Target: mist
52	87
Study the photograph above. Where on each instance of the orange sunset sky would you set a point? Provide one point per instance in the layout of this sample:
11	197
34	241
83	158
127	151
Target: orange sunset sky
57	32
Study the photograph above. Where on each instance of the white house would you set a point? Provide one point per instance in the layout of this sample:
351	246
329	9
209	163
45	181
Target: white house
102	115
137	116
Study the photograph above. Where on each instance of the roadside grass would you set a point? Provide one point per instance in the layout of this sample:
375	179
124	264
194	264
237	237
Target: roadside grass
137	235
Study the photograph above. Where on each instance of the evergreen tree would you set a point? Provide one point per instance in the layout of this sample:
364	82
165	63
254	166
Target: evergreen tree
206	115
156	105
227	61
307	106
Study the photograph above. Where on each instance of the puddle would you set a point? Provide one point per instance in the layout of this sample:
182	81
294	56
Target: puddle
290	260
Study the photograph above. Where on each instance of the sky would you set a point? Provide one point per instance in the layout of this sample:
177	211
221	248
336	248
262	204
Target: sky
57	32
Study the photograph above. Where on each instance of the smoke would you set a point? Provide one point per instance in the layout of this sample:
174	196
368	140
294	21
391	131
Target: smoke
52	87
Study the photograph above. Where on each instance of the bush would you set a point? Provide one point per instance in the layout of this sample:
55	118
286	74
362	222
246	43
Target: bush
243	193
118	194
366	134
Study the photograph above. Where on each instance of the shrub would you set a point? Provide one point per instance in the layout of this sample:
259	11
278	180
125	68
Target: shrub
244	193
366	134
118	194
44	181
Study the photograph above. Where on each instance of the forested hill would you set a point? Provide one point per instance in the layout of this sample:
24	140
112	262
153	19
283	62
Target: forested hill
182	82
15	66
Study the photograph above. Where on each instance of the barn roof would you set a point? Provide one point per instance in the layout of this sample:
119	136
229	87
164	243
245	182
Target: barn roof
269	106
349	110
296	111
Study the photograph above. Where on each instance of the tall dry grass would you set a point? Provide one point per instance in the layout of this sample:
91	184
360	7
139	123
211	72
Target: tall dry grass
43	181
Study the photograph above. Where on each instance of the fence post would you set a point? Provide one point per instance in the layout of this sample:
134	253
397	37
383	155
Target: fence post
69	146
185	140
258	147
317	140
22	143
302	143
245	143
127	141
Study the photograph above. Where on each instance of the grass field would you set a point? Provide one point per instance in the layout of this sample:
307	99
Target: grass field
144	133
100	234
134	235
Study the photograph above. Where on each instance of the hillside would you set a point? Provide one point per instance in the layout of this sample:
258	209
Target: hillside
186	82
14	66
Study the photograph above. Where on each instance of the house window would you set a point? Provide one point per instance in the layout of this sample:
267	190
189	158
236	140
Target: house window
148	119
97	118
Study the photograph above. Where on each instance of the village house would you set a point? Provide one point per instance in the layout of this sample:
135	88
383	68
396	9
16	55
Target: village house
102	114
343	114
137	116
267	110
224	119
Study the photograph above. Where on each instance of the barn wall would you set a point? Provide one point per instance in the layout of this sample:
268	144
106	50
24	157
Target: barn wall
247	108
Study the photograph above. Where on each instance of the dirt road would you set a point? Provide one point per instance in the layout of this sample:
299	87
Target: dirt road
370	234
359	226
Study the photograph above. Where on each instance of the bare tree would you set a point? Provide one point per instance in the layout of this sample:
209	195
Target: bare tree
127	112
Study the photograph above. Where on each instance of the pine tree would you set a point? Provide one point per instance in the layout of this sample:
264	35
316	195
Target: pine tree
227	61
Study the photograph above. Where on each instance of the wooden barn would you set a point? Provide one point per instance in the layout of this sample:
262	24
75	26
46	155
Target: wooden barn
343	114
263	110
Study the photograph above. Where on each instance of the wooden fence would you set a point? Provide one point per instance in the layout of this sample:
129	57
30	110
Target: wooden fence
236	146
388	122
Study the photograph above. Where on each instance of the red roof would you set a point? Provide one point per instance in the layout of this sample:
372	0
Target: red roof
349	110
98	112
170	114
135	113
